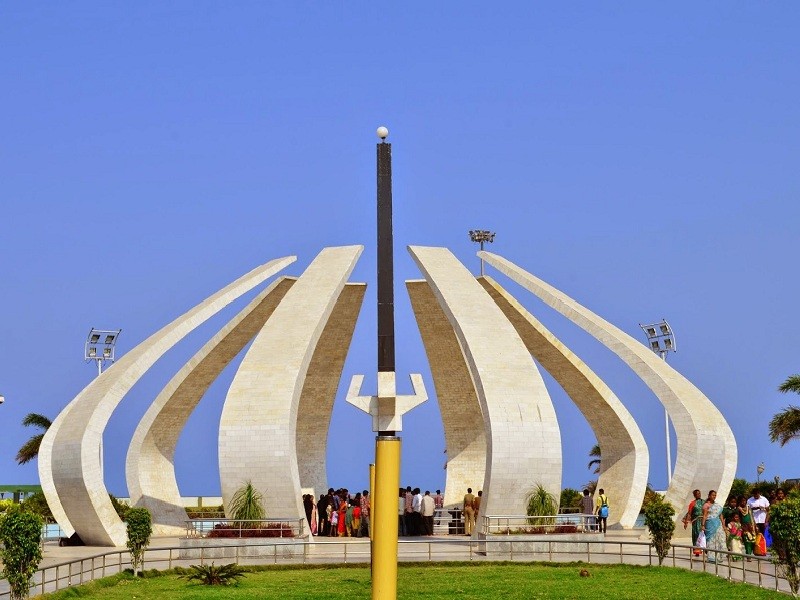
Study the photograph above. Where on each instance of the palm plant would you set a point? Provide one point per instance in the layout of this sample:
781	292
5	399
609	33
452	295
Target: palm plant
597	459
785	425
213	575
247	504
30	449
541	503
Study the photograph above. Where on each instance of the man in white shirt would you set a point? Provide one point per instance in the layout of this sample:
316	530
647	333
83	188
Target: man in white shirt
428	508
401	514
759	506
416	507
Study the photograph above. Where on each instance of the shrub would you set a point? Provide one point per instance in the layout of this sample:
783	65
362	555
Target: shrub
140	528
213	575
247	504
658	517
570	498
5	505
252	530
20	533
784	525
121	508
541	503
37	504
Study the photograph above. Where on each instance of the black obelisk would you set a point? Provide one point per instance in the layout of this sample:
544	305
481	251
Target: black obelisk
386	361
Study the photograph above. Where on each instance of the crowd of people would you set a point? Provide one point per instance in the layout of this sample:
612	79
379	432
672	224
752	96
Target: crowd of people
415	511
736	527
338	513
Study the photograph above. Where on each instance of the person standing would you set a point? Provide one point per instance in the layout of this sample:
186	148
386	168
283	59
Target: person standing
365	512
714	527
409	514
416	506
694	515
428	508
587	510
438	503
401	513
476	506
602	511
469	512
760	508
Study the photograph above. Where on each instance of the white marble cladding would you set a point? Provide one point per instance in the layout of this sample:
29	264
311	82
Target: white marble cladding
150	470
69	461
259	425
706	453
523	440
626	460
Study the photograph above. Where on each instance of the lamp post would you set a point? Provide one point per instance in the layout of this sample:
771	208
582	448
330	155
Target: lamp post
100	345
387	407
759	472
481	236
662	342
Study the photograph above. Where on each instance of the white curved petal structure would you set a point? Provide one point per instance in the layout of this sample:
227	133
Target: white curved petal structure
150	470
462	418
706	453
320	386
523	443
69	461
626	461
258	429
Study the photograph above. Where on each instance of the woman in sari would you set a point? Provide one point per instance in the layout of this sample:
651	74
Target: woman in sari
714	528
695	516
748	526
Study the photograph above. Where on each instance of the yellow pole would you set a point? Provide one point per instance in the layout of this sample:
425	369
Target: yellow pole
372	486
384	538
371	513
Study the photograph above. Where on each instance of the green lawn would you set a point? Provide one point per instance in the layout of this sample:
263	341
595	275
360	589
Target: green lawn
475	580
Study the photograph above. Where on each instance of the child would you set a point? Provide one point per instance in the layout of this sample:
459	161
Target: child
749	540
735	537
334	518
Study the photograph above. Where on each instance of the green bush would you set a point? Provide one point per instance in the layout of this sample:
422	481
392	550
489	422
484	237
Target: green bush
247	504
541	503
140	528
213	575
570	498
658	517
20	534
5	505
784	525
37	504
121	508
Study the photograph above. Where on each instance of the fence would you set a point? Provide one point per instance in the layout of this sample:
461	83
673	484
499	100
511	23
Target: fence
729	565
535	525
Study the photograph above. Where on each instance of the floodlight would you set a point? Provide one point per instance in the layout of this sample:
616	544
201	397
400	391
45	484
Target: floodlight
654	345
668	343
651	332
94	338
664	329
92	352
110	339
106	352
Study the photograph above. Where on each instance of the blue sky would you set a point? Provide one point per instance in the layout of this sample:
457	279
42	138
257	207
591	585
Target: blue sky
639	156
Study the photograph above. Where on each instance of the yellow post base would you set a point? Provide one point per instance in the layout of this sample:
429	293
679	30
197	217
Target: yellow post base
384	515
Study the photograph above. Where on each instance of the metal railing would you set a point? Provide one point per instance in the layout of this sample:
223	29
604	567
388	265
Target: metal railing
758	571
537	525
237	528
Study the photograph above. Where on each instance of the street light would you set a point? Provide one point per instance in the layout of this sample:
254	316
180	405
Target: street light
759	472
662	342
481	236
100	345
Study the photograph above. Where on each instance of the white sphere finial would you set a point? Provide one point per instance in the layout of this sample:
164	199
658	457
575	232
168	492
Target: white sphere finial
382	132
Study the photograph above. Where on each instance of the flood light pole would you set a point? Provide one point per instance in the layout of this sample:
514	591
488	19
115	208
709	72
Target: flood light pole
100	345
481	236
662	342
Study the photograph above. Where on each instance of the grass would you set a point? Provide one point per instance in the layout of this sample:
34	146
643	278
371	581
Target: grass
436	580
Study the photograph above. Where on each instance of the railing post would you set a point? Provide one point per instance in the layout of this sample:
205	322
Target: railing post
650	555
673	555
550	550
170	559
57	576
620	553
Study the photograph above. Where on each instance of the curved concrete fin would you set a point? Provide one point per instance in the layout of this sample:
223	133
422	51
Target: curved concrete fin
150	469
523	441
462	418
706	453
320	386
625	458
69	460
258	429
